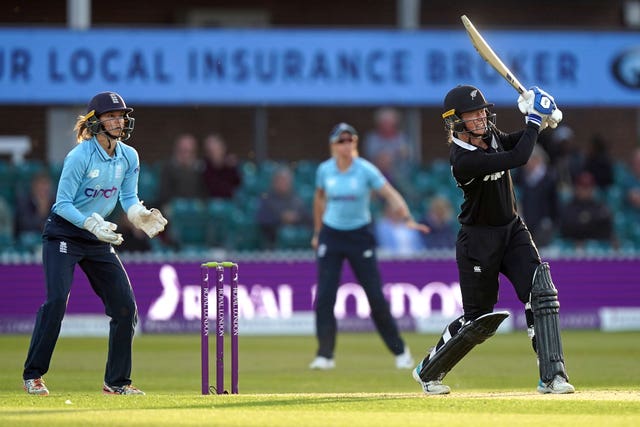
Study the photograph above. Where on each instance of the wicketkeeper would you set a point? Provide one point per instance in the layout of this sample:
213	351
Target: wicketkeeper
100	171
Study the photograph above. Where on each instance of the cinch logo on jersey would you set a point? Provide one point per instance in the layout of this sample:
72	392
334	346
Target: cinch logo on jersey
99	192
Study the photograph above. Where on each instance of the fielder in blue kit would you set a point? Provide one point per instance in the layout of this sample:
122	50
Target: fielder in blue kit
100	171
342	230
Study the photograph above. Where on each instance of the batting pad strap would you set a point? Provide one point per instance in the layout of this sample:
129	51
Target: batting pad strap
443	359
545	305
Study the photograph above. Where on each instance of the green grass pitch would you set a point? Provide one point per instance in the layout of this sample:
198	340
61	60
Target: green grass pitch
493	386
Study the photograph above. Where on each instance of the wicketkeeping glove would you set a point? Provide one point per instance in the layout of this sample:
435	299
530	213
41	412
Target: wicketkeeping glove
150	221
103	230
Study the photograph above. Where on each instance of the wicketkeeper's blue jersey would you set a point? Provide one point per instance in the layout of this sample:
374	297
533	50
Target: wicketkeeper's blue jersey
92	181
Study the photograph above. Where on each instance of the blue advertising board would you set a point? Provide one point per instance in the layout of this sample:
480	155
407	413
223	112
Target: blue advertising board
310	67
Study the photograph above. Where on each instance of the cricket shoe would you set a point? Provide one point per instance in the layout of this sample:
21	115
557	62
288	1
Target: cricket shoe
559	385
123	389
405	360
430	387
36	386
322	363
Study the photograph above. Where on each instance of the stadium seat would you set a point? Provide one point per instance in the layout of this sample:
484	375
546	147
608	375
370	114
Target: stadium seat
621	173
6	241
253	180
293	237
305	172
55	170
266	168
219	213
306	193
243	233
597	247
148	183
424	183
563	245
29	241
25	171
188	222
7	182
440	168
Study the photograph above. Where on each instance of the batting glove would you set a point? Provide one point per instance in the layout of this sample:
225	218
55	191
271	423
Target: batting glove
536	101
103	230
150	221
540	108
554	118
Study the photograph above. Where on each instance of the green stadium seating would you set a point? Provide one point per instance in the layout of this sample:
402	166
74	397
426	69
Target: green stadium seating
188	223
149	183
293	237
305	172
219	213
243	233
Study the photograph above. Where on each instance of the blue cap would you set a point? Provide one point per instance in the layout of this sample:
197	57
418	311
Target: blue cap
339	129
107	101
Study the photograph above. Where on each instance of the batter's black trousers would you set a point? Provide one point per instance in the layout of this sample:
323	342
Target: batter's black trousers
483	252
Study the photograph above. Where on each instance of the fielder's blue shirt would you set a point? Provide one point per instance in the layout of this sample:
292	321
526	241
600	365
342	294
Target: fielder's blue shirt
92	181
348	193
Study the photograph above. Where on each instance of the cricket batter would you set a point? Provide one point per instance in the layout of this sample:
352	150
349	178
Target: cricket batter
98	172
493	239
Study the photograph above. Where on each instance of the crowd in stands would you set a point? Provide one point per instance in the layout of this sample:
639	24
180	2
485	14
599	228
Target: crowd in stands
572	195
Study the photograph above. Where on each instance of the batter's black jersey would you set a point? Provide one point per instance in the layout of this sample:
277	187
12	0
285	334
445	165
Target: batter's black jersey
483	175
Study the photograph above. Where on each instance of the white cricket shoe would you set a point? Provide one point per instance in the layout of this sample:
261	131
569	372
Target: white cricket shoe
430	387
123	389
559	385
405	360
322	363
36	386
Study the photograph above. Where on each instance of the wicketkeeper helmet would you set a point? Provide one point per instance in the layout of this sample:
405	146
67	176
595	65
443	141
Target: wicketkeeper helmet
105	102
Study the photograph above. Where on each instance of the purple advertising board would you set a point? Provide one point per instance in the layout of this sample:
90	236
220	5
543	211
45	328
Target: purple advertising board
277	291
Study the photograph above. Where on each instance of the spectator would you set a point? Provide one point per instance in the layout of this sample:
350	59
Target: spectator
181	176
384	160
221	175
387	145
565	156
598	161
393	235
32	209
537	185
281	206
441	220
585	217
